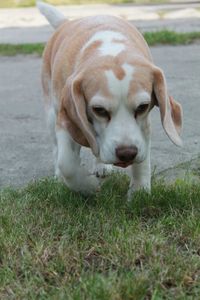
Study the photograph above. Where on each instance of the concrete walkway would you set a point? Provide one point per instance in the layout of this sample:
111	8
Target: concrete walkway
26	151
27	25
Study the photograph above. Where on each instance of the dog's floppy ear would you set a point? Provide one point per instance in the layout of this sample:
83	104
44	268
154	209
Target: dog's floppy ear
73	106
170	110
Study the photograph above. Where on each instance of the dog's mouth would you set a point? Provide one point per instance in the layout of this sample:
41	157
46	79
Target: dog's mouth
123	164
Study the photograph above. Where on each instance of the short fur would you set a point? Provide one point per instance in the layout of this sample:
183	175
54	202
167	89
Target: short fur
103	63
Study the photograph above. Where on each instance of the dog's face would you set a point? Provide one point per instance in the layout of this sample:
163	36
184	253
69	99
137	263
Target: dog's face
110	106
119	113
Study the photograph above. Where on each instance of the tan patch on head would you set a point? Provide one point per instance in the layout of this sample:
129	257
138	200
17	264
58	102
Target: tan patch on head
107	62
142	80
91	49
119	72
95	80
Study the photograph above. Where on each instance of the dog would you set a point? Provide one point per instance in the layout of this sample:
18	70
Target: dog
100	84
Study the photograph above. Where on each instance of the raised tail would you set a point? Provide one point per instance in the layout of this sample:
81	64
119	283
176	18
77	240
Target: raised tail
54	17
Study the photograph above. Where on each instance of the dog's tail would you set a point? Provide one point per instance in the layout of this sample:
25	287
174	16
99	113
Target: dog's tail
54	17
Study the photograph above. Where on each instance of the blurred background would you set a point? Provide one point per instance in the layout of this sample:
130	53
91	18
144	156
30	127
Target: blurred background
28	3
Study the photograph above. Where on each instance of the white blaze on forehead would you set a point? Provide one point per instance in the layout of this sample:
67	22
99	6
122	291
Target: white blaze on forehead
111	42
120	88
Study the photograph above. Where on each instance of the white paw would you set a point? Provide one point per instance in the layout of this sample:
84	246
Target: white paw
102	170
133	188
90	184
80	181
130	193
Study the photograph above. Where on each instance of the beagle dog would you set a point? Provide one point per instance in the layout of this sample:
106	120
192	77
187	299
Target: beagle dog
100	83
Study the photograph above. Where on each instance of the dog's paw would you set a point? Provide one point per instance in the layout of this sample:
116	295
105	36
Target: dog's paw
90	184
132	189
102	170
79	181
130	193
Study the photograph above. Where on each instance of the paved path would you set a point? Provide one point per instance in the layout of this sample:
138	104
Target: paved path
27	25
25	147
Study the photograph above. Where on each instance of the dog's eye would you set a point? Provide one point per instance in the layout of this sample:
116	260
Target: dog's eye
141	109
101	112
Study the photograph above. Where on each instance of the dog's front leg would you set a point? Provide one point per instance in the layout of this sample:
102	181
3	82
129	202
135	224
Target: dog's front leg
140	176
68	165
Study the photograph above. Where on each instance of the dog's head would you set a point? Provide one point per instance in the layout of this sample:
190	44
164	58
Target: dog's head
106	106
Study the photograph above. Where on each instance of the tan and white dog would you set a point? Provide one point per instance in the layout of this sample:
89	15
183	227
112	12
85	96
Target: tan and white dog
99	84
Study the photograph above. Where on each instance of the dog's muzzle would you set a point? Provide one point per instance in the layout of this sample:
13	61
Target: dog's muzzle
125	156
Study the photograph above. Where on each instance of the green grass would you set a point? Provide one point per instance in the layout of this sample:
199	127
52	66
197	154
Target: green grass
152	38
55	244
171	37
27	3
11	50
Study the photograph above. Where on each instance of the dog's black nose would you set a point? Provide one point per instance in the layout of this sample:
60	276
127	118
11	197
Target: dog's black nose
126	154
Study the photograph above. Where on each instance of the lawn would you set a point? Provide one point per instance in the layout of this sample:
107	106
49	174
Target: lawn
55	244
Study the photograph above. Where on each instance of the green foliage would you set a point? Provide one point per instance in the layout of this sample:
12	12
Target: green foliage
56	244
171	37
11	50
